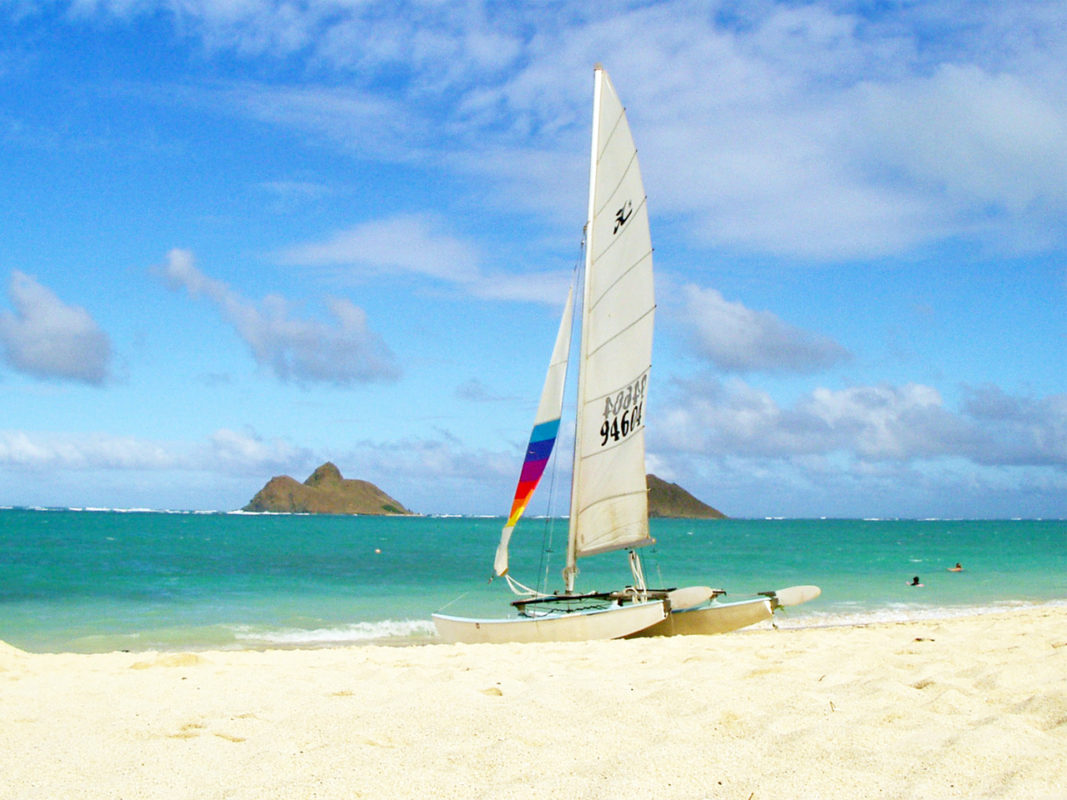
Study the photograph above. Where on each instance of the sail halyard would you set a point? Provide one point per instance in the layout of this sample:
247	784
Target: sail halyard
544	434
609	503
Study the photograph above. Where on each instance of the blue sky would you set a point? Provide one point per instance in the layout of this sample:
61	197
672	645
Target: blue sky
241	238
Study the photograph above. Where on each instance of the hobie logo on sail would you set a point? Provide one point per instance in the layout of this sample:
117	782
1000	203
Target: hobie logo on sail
622	215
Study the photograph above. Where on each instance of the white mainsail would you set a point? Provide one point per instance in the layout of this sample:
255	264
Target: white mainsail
609	500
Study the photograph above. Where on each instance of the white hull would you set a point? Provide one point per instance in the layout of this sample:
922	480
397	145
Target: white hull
725	617
714	618
576	626
795	595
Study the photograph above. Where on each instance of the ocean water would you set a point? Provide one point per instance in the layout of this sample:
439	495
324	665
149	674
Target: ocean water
93	581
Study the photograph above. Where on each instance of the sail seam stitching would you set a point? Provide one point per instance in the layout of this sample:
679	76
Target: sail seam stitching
618	183
618	280
611	135
619	333
619	496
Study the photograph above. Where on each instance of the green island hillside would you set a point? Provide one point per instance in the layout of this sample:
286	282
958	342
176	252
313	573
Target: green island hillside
672	501
324	492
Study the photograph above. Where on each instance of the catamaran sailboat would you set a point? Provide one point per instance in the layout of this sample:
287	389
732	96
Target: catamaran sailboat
609	495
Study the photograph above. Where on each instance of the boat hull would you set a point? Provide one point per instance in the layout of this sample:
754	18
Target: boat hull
716	617
713	618
577	626
795	595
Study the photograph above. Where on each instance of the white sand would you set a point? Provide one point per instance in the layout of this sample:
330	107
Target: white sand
972	707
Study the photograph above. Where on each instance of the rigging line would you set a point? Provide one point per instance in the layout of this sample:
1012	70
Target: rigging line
453	601
547	549
521	589
653	556
544	564
546	537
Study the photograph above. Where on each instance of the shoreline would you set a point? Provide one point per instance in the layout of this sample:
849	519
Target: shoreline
420	632
971	706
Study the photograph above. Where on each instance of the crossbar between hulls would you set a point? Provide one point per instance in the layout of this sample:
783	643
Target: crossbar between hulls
630	594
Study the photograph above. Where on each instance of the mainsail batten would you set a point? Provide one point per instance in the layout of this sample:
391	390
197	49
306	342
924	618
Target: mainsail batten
609	196
638	264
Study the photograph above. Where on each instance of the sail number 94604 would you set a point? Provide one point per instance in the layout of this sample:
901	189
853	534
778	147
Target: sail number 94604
622	411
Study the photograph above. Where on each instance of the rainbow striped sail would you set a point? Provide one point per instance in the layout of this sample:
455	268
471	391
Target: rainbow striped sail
538	451
543	437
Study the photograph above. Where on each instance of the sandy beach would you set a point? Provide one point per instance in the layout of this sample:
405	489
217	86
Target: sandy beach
968	707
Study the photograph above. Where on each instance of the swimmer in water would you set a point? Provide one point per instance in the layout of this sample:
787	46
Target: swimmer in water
915	581
957	568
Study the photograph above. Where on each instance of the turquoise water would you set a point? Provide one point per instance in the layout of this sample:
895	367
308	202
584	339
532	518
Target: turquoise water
88	581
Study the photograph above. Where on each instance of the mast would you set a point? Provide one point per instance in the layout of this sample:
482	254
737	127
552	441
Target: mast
571	569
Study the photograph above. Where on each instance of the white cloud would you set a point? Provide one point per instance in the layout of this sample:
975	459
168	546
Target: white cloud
247	26
1019	430
737	339
83	452
248	452
355	119
445	41
476	391
539	287
48	338
438	475
886	422
412	243
343	352
420	245
224	451
822	131
286	196
874	450
979	138
816	486
866	424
